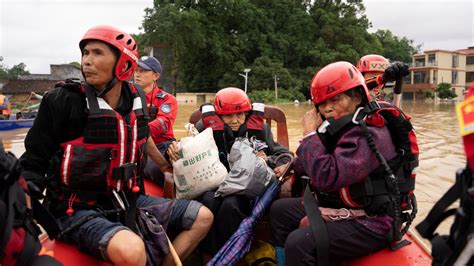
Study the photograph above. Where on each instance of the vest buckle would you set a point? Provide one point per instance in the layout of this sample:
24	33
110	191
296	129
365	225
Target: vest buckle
124	172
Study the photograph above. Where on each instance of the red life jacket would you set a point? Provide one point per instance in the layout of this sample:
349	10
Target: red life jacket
223	135
109	156
373	194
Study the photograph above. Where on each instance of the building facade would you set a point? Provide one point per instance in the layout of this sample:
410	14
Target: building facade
433	67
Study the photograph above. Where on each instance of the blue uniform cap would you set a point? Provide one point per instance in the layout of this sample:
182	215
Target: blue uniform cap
150	63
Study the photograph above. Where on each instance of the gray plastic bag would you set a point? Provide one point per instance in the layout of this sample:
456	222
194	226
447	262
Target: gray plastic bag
249	175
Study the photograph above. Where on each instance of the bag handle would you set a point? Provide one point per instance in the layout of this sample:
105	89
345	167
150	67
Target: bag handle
289	166
192	130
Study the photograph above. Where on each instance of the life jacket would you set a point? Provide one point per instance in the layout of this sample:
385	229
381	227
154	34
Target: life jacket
457	248
19	234
375	194
223	134
5	105
109	157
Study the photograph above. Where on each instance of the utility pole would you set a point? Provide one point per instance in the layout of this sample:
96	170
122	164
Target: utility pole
276	88
246	71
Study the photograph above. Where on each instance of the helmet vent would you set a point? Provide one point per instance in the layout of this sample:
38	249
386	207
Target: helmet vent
134	47
350	73
119	37
129	41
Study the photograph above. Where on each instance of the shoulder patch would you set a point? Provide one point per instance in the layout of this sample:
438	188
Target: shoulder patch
160	95
166	108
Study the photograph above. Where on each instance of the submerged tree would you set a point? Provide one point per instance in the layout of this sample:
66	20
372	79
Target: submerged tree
445	92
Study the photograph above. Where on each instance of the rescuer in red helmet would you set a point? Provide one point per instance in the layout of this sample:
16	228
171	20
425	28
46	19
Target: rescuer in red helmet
232	115
86	148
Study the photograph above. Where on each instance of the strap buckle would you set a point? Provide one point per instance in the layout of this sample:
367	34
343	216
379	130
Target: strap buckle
371	107
355	119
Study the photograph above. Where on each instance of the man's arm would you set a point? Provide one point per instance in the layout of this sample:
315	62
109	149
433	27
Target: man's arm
40	144
157	157
164	121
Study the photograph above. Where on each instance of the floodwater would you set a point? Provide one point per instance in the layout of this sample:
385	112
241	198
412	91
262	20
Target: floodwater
441	150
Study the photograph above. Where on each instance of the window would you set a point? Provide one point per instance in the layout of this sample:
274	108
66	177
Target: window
455	60
469	77
431	59
419	62
470	60
419	77
435	76
454	77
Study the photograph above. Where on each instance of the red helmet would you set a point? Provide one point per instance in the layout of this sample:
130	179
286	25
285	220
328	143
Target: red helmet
335	79
125	44
231	100
372	63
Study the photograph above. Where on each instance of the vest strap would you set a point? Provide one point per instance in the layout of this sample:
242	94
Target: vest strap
94	108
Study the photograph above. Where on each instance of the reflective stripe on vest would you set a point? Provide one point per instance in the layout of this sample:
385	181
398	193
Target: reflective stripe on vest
106	156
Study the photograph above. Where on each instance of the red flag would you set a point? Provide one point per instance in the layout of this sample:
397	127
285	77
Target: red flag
465	112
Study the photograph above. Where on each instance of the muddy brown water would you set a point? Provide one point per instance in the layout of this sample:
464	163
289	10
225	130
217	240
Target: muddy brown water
441	150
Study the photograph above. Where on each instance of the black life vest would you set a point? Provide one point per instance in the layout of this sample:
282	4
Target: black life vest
109	157
223	134
375	194
457	247
19	234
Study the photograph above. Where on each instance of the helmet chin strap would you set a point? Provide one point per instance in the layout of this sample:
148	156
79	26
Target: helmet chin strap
107	88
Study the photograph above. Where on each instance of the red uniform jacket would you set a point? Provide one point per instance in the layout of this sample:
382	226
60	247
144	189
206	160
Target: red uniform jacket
166	108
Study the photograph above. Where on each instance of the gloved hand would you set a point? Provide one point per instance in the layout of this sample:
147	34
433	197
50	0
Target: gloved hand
395	71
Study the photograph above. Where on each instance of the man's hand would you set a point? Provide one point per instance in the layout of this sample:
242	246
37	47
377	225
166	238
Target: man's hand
311	121
395	71
173	151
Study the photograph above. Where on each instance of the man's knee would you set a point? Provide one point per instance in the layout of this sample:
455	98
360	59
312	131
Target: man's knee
204	218
125	247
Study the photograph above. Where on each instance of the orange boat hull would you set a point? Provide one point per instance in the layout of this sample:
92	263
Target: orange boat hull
412	254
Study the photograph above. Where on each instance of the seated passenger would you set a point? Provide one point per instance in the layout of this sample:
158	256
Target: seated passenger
336	160
232	107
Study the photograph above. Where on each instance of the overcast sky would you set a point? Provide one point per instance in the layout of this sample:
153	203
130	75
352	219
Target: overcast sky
43	32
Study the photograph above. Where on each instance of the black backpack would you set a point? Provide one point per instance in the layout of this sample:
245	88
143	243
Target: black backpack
457	247
19	243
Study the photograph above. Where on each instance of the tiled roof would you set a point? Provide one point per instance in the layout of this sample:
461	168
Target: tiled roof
28	86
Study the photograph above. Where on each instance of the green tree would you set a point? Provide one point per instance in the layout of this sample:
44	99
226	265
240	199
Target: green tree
394	47
14	72
445	92
76	64
212	41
